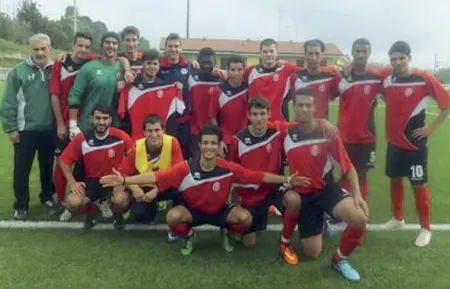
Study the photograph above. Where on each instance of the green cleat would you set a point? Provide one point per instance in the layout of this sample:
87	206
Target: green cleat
187	245
227	242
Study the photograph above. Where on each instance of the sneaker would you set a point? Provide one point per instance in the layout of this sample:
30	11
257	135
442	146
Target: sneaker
188	245
424	238
328	233
394	224
227	242
57	209
49	204
104	208
346	270
288	254
172	237
274	211
20	215
65	216
119	222
90	222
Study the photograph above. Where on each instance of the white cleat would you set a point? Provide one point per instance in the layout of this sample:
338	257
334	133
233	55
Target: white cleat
424	238
393	224
65	216
105	209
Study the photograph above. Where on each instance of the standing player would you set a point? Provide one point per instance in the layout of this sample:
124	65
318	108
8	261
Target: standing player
150	95
229	101
271	80
357	102
130	37
99	150
406	93
309	153
323	80
205	184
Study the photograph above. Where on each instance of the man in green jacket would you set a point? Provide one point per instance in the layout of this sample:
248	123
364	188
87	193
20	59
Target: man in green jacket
27	118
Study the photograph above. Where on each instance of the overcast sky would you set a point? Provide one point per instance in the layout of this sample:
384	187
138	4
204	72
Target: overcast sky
423	24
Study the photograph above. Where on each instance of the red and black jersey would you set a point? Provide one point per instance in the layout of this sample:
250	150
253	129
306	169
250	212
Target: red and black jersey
273	84
61	81
201	87
324	84
207	192
136	65
261	153
98	156
313	156
229	107
406	99
145	98
357	102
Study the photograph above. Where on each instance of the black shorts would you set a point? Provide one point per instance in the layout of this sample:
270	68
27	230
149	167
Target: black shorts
95	191
60	145
219	219
361	155
260	213
146	212
315	205
405	163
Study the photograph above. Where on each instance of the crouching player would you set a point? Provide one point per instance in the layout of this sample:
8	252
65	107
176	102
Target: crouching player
98	150
310	154
205	183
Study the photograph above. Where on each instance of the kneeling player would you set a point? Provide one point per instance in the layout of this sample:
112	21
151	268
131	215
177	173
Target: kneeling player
205	183
99	150
309	153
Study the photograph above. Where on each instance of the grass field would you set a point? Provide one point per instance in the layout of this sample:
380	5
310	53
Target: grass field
108	259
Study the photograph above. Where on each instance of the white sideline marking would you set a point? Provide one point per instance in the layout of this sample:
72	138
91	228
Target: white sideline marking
162	227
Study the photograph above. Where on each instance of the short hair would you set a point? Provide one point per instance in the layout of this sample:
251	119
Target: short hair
361	41
235	58
103	109
153	119
314	42
130	30
39	36
206	51
303	91
210	129
401	47
151	54
267	42
84	35
258	102
171	37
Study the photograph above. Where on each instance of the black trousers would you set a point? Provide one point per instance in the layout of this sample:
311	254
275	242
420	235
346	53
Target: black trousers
42	142
146	212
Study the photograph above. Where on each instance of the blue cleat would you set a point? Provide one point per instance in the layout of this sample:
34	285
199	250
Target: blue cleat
346	270
328	232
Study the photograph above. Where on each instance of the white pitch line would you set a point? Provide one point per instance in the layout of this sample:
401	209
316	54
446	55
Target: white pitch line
162	227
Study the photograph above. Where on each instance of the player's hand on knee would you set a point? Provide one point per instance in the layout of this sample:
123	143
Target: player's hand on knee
361	204
118	190
151	195
296	180
138	195
78	188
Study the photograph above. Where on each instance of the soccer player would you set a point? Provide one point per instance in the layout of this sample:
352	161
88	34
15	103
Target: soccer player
130	36
229	101
99	150
205	184
202	83
27	119
309	153
323	80
358	99
97	82
406	93
270	79
156	152
150	95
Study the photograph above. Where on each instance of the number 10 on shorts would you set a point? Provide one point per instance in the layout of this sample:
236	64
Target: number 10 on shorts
416	172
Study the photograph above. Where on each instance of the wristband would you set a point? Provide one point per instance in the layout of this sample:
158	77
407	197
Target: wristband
124	182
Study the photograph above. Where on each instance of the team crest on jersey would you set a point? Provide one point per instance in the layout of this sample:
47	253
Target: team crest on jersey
260	70
160	93
304	78
91	142
99	72
140	86
196	77
184	71
322	87
70	68
408	91
294	137
197	175
216	187
366	89
111	153
269	147
247	141
315	150
276	77
229	92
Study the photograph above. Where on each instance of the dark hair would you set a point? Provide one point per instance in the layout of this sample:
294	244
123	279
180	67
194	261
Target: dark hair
173	36
84	35
103	109
258	102
303	91
361	41
401	47
267	42
314	42
130	30
206	51
151	54
153	119
235	58
210	129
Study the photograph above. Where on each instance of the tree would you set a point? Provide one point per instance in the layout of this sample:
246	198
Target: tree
443	75
28	12
144	44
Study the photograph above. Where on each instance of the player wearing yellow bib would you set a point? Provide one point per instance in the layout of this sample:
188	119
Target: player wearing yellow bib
156	152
